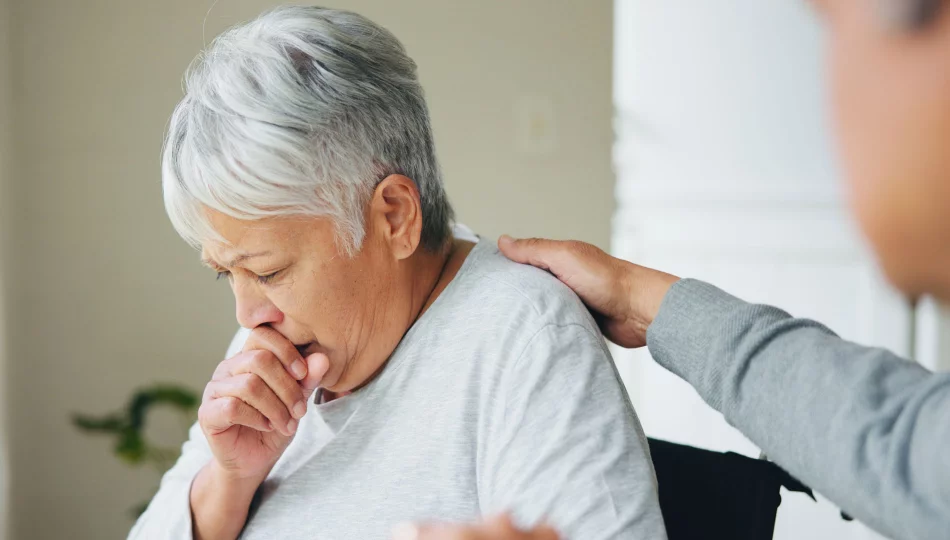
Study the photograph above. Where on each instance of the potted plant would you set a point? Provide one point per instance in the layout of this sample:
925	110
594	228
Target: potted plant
127	426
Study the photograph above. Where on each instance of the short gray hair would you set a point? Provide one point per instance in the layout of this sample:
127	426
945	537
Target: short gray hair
300	112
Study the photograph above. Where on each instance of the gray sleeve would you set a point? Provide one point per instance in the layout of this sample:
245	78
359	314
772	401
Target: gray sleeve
169	514
869	430
570	450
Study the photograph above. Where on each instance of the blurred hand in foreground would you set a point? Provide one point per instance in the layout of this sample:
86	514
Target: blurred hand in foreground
499	528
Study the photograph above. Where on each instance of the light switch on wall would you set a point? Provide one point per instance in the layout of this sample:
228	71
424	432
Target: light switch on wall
535	126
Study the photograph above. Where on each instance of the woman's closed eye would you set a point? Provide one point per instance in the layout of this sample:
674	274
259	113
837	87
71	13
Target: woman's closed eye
267	278
264	279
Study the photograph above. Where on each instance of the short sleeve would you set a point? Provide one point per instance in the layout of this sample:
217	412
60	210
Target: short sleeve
570	450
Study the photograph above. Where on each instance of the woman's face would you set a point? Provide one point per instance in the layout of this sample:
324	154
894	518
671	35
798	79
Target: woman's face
288	273
891	95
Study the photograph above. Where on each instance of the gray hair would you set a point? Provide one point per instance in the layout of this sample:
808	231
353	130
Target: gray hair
302	111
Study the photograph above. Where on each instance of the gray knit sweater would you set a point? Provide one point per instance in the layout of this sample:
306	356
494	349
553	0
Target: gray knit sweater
867	429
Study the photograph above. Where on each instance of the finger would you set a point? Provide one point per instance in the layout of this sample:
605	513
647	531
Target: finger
541	532
499	523
265	337
223	369
501	526
537	252
405	531
496	528
410	531
252	390
317	366
219	415
265	365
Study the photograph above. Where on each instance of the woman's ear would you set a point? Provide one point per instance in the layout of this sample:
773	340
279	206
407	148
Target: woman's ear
396	214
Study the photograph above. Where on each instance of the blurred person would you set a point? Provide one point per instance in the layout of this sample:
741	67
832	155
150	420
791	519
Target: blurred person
393	370
868	429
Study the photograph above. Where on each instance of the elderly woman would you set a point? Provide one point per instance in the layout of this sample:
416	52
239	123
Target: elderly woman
392	371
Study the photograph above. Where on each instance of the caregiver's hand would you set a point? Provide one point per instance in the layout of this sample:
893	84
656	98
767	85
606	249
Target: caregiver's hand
249	413
623	296
499	528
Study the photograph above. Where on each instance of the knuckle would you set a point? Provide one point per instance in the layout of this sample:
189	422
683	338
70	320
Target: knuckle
585	249
253	384
254	356
203	413
571	246
230	408
221	369
260	360
292	390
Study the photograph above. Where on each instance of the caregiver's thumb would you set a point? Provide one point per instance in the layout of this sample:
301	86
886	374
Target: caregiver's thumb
535	251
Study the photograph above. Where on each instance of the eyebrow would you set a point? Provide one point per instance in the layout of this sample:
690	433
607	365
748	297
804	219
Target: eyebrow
234	262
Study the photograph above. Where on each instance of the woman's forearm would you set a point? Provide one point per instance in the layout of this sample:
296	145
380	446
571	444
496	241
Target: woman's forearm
220	503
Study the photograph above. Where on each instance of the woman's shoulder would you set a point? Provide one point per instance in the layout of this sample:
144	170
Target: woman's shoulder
494	284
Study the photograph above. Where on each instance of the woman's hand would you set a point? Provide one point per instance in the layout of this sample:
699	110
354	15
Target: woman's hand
624	297
251	408
499	528
249	414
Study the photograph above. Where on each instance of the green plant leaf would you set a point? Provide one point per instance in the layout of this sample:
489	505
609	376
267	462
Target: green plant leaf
113	423
131	447
128	427
139	509
144	399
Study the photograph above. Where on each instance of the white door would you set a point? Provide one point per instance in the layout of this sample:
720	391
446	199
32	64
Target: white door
725	173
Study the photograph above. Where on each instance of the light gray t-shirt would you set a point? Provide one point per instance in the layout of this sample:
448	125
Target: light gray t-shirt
502	396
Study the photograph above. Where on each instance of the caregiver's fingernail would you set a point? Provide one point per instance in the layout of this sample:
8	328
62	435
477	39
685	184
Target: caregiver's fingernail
299	369
405	531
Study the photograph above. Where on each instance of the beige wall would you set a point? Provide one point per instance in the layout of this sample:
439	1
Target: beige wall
104	297
6	172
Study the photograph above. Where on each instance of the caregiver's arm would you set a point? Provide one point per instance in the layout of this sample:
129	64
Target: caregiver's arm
860	425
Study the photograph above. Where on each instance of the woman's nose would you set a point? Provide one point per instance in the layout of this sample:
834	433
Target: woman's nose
253	308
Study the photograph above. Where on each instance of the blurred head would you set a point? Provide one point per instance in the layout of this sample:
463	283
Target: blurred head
890	70
301	163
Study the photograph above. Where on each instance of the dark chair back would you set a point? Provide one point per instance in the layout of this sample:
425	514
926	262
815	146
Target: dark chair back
707	495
